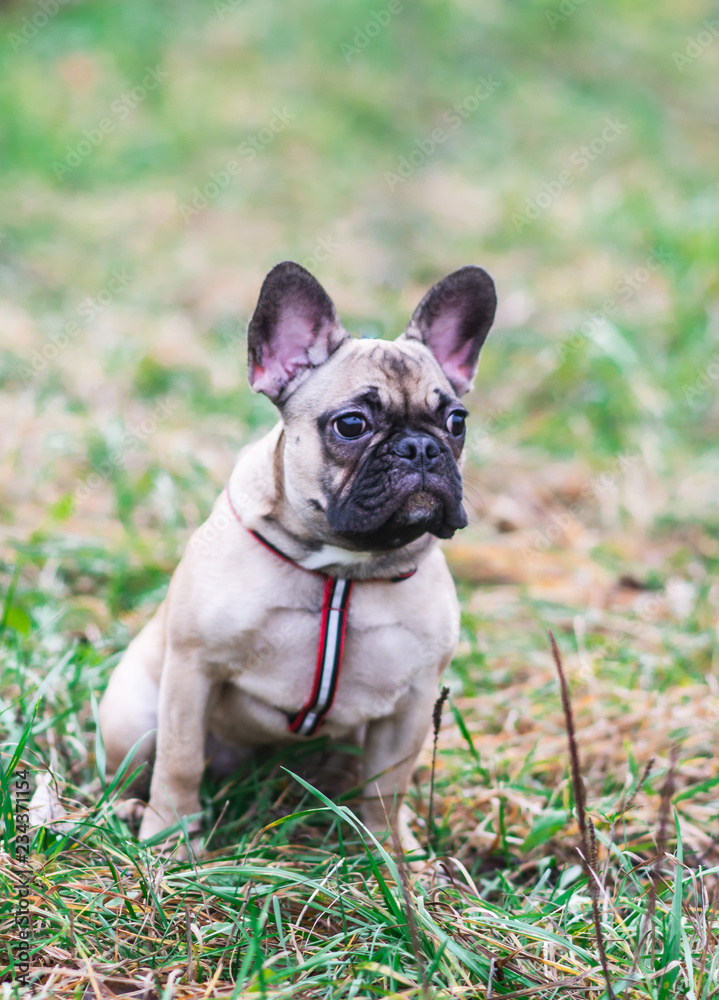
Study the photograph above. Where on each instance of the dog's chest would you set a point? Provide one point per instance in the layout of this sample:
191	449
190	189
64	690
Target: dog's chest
388	646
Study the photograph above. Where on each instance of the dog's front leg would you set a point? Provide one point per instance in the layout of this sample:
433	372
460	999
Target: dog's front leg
390	752
181	726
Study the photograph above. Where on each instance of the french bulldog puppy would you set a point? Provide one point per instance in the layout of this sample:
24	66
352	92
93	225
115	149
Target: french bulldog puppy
315	599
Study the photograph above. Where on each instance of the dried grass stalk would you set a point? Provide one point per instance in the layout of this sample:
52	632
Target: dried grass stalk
589	849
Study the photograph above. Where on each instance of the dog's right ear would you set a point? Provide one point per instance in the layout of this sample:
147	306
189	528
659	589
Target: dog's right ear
294	328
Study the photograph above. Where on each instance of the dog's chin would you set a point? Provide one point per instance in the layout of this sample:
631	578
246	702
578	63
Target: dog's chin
419	514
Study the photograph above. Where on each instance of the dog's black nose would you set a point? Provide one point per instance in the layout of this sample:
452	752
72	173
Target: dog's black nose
417	449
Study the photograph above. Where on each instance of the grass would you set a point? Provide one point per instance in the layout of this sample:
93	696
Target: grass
297	899
591	480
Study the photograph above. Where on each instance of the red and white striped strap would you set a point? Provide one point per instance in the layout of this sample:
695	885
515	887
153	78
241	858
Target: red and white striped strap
335	602
335	605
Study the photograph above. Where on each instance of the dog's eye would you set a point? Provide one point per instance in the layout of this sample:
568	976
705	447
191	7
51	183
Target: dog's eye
455	423
351	425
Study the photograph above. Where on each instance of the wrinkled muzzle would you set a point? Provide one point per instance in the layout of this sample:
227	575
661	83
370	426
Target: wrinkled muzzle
408	488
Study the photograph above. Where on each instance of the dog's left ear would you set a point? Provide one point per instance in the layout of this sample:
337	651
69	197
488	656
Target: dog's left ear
294	327
453	320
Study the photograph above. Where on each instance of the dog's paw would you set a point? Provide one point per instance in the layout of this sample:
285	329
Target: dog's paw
162	812
174	845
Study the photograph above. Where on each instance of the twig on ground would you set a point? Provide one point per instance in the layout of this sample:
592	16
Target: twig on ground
436	723
188	932
587	839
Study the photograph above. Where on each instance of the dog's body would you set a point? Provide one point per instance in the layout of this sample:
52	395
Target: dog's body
354	483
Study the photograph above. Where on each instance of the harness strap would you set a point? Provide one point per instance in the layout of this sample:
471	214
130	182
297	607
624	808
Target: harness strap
333	624
335	603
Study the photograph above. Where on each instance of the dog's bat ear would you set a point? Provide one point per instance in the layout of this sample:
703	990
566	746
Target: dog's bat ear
453	320
294	328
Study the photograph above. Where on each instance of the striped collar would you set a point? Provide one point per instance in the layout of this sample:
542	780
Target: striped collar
333	625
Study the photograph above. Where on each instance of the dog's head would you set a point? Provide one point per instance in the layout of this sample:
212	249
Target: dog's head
374	429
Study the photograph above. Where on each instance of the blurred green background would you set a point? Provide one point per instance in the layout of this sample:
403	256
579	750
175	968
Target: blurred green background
321	105
347	116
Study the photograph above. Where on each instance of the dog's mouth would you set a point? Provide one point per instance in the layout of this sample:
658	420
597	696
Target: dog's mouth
421	510
418	512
